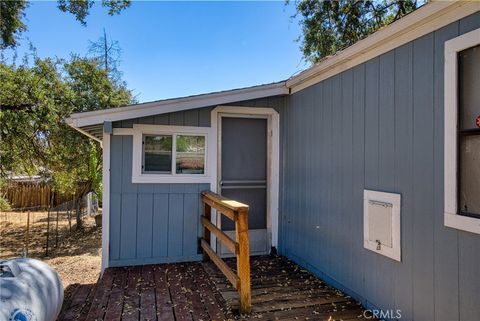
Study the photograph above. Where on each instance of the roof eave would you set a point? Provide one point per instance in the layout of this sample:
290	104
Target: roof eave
422	21
84	132
172	105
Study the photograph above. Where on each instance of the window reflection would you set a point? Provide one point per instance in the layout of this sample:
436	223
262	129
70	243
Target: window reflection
190	154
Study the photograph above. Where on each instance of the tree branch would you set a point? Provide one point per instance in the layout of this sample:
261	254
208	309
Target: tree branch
23	107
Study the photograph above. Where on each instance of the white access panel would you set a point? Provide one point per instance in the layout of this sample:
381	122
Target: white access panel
382	223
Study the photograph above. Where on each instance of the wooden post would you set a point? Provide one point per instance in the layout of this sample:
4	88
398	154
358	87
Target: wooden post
237	212
69	220
48	231
56	232
207	212
78	214
243	261
27	235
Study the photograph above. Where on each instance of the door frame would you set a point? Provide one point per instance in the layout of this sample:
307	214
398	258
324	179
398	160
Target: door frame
273	160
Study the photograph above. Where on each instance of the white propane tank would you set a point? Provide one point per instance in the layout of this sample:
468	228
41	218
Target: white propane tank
30	290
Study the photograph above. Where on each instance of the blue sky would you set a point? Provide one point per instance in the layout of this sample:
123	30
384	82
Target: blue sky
172	49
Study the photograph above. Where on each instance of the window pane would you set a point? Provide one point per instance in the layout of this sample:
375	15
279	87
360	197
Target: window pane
469	87
190	154
470	174
158	154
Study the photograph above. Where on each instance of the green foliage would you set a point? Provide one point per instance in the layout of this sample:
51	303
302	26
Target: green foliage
330	26
12	13
116	6
63	182
79	8
93	172
95	89
34	102
4	205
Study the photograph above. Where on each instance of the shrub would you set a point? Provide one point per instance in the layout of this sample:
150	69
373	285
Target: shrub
4	205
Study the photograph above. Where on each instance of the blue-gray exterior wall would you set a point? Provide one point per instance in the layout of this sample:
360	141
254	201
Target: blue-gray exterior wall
379	126
150	223
376	126
158	223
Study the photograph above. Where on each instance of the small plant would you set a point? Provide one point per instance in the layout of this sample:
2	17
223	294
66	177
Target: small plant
4	204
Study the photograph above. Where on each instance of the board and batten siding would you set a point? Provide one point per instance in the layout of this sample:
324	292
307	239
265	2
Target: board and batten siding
150	223
201	117
158	223
379	126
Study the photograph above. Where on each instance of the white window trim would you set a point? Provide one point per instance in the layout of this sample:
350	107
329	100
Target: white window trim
139	131
393	252
452	47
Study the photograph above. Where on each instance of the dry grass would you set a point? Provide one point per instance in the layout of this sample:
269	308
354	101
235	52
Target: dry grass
77	258
13	227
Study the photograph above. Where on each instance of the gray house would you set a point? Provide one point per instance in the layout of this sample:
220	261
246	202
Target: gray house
364	169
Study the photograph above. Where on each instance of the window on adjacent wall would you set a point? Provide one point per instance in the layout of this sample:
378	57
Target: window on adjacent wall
187	151
469	131
462	132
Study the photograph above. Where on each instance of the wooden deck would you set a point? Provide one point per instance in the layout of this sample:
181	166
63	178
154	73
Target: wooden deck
197	291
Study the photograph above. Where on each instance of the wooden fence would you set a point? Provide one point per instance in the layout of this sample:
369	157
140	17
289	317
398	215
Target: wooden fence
238	213
33	194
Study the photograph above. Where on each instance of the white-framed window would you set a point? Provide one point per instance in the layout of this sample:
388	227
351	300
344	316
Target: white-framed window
462	132
171	154
381	223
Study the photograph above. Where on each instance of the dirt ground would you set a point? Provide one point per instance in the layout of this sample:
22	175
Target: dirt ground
77	257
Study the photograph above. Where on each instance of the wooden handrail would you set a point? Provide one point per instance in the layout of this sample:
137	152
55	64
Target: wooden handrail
231	244
237	212
231	276
223	201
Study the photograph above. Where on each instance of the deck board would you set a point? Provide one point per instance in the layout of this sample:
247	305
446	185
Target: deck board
281	290
193	294
180	306
163	301
147	295
79	305
102	296
114	308
131	303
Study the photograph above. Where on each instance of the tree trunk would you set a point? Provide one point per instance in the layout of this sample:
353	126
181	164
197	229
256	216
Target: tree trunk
78	213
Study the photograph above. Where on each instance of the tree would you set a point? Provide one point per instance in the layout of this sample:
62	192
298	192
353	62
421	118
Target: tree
12	13
11	25
34	102
107	52
330	26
